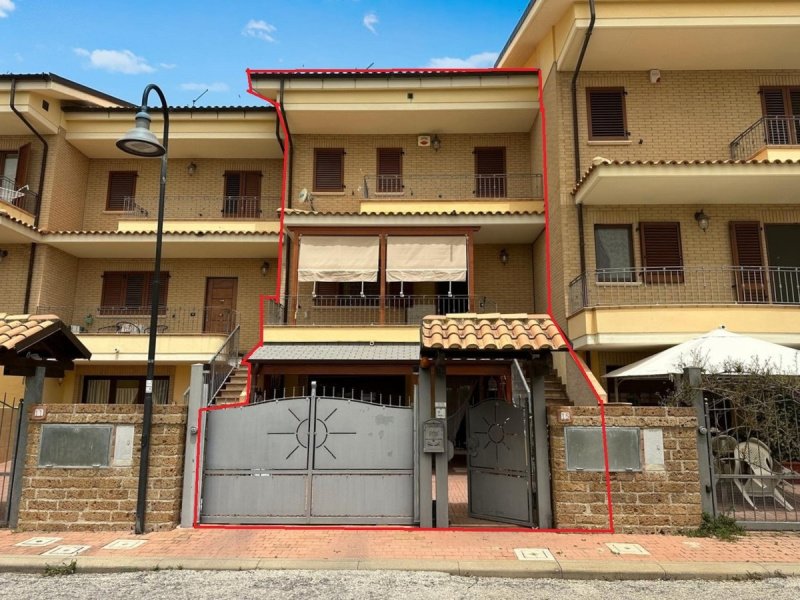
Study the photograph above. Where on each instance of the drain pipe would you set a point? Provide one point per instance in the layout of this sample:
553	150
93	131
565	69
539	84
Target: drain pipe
43	168
576	139
287	239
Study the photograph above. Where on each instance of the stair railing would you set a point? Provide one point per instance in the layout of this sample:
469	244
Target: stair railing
222	364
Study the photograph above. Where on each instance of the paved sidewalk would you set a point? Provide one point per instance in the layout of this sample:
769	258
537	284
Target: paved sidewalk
577	556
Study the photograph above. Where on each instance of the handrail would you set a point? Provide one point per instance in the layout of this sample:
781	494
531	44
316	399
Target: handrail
217	375
780	130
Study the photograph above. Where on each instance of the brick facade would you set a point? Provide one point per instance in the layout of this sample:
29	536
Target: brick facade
652	501
104	498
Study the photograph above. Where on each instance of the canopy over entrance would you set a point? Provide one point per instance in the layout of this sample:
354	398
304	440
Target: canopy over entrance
30	341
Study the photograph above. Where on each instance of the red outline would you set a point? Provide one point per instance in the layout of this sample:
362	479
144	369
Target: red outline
276	295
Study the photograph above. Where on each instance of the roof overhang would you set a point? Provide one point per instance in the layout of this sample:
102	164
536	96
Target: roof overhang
39	341
696	183
339	352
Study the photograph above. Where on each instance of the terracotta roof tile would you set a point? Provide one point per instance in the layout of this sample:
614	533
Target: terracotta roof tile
481	213
493	331
17	328
204	232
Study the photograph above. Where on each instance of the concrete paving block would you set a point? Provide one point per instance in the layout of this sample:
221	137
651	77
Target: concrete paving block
307	564
509	568
209	564
114	564
411	564
713	570
611	570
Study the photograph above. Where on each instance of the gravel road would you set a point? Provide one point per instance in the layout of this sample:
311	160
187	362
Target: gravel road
305	585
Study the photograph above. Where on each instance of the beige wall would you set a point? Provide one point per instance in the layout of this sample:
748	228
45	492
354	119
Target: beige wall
509	285
454	158
15	277
69	389
65	186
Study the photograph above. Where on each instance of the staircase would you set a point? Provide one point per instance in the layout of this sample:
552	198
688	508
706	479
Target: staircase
235	387
555	393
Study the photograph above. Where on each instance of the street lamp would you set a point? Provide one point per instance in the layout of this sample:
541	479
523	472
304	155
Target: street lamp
140	141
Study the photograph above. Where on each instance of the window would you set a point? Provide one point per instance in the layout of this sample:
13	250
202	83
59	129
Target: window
328	169
662	258
14	169
128	292
490	172
613	247
748	261
606	111
122	389
121	190
242	194
390	171
781	107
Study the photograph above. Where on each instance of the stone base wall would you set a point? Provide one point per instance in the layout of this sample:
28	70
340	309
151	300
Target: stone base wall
104	498
660	498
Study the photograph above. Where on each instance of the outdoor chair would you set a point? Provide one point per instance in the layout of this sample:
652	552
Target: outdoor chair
756	474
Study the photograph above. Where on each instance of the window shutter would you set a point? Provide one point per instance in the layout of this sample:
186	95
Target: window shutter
490	172
773	103
113	290
23	161
135	289
233	184
794	101
252	184
390	170
661	252
607	114
163	286
121	186
328	169
748	261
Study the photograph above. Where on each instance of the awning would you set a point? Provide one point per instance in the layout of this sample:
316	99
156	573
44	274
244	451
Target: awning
338	258
431	258
359	352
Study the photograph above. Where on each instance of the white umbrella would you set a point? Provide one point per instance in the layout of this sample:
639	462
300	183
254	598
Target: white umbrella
712	352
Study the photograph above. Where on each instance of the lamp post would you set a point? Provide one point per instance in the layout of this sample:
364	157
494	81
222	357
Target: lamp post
140	141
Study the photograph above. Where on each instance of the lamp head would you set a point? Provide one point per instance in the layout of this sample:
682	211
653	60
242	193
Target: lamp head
140	141
703	220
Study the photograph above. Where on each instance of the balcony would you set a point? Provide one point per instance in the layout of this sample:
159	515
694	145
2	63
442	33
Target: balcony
21	203
513	186
769	138
203	208
315	310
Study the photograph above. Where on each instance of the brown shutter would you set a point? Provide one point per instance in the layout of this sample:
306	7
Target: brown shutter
606	112
390	170
748	261
328	169
113	293
137	287
490	172
252	184
121	186
233	183
772	102
23	162
163	286
661	252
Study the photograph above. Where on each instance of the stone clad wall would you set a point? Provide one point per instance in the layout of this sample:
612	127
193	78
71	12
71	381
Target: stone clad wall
657	499
95	499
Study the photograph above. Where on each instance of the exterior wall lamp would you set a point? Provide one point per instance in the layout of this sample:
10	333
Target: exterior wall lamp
192	168
436	143
264	268
503	256
703	220
140	141
3	254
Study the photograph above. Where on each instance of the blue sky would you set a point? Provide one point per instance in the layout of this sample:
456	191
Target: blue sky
189	46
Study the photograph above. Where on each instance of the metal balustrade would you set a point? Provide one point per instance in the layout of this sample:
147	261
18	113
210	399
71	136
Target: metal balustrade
767	131
23	198
454	186
311	310
197	207
128	320
685	285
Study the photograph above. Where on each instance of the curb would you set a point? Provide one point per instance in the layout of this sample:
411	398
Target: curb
551	569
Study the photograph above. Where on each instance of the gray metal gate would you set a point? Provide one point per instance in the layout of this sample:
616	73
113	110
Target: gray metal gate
10	411
309	460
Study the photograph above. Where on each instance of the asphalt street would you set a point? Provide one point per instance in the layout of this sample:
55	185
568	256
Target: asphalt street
304	585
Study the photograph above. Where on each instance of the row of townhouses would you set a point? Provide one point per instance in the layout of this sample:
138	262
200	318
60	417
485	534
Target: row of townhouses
623	181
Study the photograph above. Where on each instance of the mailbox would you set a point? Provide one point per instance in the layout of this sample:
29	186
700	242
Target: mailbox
433	436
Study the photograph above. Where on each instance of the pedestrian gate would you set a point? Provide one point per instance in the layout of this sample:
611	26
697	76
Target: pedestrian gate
309	460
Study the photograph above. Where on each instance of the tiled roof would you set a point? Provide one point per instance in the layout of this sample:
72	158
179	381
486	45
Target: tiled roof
493	331
13	219
687	163
339	352
203	232
18	328
178	109
317	73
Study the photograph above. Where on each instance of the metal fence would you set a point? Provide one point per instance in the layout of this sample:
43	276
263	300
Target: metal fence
313	309
755	461
454	187
767	131
23	198
127	320
10	412
199	207
685	285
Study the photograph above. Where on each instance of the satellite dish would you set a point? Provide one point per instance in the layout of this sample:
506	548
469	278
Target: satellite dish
304	196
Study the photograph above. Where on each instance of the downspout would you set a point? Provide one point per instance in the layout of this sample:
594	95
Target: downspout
576	140
287	239
42	170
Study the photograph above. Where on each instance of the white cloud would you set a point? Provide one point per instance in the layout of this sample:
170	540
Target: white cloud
6	7
167	66
217	86
260	29
370	20
115	61
476	61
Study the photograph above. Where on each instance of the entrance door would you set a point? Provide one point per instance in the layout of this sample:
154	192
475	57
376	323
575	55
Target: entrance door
220	304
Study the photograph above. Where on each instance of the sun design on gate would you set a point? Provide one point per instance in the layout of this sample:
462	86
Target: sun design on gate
495	433
321	432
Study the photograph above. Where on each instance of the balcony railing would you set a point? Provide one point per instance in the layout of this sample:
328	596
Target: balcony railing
454	187
203	207
310	310
126	320
23	198
685	285
767	131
